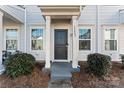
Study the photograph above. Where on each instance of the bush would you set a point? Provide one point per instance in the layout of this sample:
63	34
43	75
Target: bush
19	64
122	60
99	64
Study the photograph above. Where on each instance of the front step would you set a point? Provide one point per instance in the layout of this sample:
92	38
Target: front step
61	75
61	71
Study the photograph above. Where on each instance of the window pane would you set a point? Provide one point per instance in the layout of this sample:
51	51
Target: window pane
37	44
37	39
37	33
11	39
11	44
84	33
11	34
110	34
110	44
84	44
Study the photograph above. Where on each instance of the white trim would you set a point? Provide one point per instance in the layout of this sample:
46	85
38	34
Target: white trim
91	39
37	27
18	36
110	27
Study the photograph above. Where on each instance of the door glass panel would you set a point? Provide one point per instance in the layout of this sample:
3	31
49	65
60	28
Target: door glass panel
60	44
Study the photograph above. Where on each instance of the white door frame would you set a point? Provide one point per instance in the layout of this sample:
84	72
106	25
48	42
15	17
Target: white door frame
61	26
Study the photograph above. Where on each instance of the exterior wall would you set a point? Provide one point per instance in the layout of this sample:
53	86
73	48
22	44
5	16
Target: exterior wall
34	19
121	39
20	27
39	55
82	55
108	17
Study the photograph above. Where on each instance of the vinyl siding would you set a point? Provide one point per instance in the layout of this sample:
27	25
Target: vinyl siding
108	16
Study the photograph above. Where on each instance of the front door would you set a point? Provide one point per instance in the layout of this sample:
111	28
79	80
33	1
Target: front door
61	44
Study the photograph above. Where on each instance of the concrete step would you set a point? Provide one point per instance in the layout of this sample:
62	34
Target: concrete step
61	76
61	71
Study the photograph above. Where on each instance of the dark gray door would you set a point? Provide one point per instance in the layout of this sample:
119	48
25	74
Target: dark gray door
61	44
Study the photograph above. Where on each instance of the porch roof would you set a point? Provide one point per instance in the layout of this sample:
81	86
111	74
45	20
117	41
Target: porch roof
60	11
13	12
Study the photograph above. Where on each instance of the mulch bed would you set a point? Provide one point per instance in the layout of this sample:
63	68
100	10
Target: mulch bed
36	80
79	80
84	80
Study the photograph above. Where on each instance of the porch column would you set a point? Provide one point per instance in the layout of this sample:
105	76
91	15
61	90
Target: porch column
75	40
47	45
1	36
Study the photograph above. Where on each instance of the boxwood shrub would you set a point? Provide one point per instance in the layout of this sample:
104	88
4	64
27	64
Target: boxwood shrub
122	60
19	64
99	64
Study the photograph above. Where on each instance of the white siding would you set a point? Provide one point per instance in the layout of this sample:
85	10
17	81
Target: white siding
121	39
108	16
34	15
39	55
82	55
88	15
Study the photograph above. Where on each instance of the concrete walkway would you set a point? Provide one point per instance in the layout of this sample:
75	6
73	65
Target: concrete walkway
60	84
60	75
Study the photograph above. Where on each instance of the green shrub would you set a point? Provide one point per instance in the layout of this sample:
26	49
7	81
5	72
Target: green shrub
19	64
99	64
122	60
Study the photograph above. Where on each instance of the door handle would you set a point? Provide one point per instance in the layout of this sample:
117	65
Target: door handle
66	45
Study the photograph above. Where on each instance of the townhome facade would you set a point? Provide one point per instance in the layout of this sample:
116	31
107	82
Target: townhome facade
62	33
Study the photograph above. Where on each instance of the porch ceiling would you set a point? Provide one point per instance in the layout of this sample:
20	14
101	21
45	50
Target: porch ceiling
61	11
7	16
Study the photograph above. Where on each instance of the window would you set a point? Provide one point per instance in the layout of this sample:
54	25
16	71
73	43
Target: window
11	39
84	39
110	39
37	39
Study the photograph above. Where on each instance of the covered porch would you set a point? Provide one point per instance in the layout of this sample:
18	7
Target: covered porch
8	16
61	34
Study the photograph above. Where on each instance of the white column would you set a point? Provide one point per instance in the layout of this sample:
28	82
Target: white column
47	45
1	36
75	40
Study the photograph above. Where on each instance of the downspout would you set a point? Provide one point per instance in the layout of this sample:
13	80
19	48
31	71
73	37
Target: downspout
97	27
25	27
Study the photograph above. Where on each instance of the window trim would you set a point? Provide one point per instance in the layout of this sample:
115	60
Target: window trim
91	41
18	37
117	29
36	27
